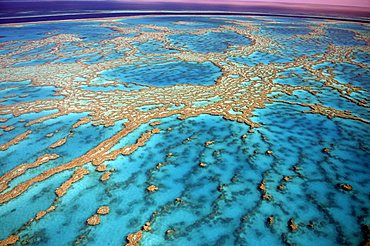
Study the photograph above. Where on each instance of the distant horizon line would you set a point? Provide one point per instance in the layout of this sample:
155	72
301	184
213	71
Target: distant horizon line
132	13
193	2
22	11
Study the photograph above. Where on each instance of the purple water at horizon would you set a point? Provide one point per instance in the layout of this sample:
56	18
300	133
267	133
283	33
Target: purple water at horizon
84	9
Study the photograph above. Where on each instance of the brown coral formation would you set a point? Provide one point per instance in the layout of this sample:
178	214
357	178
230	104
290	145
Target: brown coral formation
266	197
152	188
326	111
264	194
101	168
19	170
8	128
126	150
262	186
270	220
105	176
159	165
326	150
155	123
345	187
58	143
95	155
208	143
10	96
287	178
292	226
40	214
202	164
15	140
93	220
12	239
296	168
103	210
81	122
51	208
77	175
134	238
146	226
156	130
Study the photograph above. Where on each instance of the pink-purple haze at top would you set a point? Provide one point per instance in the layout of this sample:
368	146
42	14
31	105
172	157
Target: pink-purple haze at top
350	3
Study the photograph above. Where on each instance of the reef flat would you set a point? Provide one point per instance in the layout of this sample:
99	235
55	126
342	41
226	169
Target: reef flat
185	130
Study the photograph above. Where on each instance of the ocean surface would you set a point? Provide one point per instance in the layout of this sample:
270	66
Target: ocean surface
193	130
29	10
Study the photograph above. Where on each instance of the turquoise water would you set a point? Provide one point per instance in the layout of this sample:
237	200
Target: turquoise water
201	94
165	73
28	93
209	42
152	47
259	57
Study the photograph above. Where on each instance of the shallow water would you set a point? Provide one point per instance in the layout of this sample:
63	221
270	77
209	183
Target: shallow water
238	102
